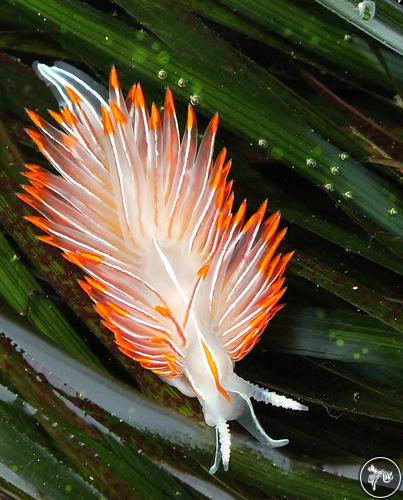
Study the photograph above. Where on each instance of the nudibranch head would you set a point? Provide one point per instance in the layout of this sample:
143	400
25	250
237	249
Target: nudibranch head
183	282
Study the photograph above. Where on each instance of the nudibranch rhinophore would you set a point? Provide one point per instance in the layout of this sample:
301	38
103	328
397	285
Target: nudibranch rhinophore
184	283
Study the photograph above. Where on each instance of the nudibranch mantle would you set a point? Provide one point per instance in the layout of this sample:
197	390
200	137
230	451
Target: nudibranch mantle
184	283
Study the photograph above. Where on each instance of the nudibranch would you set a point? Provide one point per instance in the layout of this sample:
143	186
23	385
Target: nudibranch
184	283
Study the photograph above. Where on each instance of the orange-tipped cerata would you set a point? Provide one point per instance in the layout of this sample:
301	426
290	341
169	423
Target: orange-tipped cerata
183	283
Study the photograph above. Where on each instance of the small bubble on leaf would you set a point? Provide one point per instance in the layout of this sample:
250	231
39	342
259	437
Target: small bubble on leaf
310	162
329	187
348	194
334	169
182	82
343	156
262	143
162	74
195	100
393	211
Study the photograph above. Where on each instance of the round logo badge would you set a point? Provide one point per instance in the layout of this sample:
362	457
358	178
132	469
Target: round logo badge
380	477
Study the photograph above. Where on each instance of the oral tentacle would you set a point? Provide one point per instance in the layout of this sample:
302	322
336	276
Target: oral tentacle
217	458
249	421
274	399
225	443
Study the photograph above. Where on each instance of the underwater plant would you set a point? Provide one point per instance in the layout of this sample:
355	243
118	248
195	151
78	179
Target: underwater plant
309	99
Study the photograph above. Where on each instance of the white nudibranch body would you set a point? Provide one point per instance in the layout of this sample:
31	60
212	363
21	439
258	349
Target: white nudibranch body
184	283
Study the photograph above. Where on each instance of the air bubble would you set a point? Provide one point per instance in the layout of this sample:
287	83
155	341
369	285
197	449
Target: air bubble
366	10
162	74
348	194
335	170
262	143
329	187
182	83
194	100
343	156
393	211
347	37
310	162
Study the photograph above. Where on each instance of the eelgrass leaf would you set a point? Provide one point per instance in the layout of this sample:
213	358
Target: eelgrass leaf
243	102
160	435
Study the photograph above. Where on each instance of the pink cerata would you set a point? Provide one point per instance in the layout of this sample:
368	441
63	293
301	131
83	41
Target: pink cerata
185	285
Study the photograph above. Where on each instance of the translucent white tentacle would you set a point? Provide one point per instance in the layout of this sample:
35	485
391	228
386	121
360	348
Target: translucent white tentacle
249	421
225	443
217	458
62	74
269	397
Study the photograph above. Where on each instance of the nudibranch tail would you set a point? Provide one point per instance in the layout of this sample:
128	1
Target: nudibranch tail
185	283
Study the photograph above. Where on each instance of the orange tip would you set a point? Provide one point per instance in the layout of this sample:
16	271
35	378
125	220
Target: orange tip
164	311
73	96
191	121
203	271
139	101
108	127
117	114
40	222
38	139
56	116
35	118
113	79
169	106
155	117
214	124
